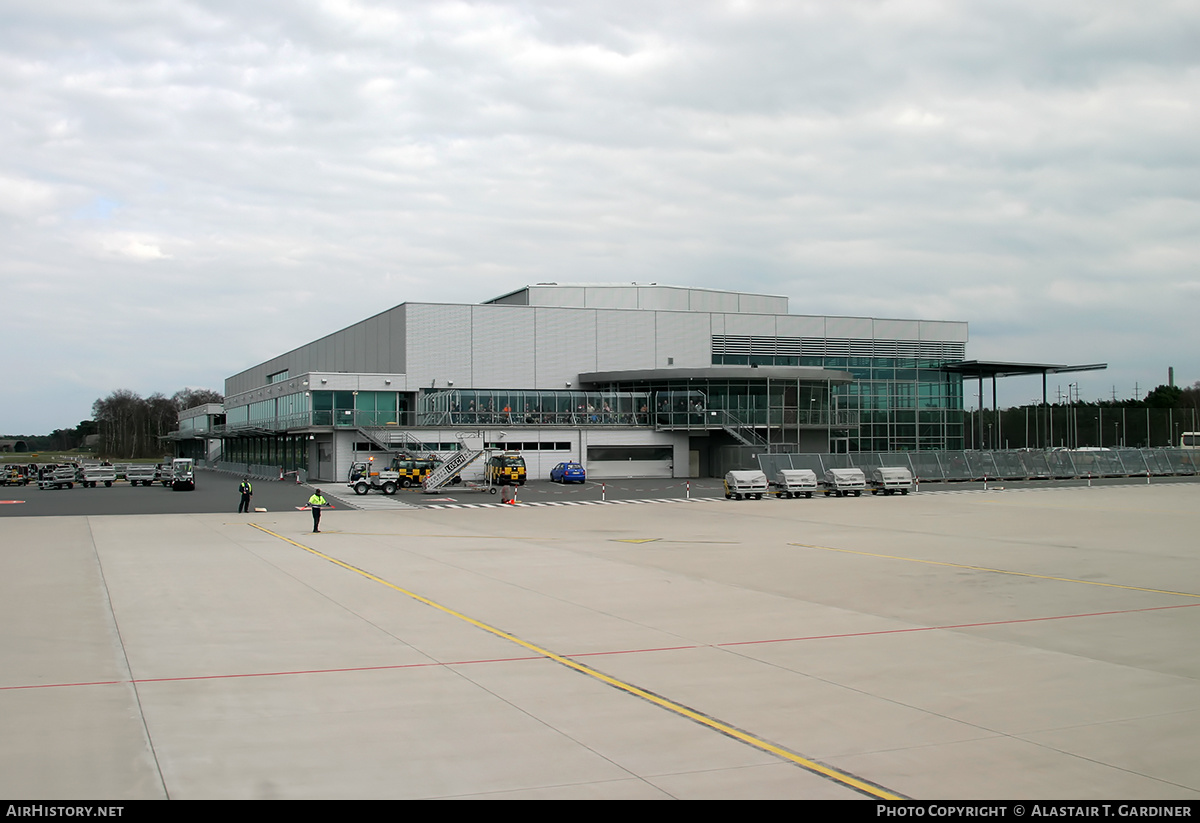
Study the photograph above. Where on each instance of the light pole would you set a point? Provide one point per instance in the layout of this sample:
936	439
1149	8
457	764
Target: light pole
1072	416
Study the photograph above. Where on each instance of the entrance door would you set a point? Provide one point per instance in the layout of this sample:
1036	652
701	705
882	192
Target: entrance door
325	461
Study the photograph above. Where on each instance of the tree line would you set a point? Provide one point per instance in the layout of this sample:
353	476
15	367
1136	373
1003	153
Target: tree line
124	425
129	426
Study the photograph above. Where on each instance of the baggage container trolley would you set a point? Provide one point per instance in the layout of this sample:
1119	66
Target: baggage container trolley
794	483
94	475
844	482
890	480
57	477
739	484
143	473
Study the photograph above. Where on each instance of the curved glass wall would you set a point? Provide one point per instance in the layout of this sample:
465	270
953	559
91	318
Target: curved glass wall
894	403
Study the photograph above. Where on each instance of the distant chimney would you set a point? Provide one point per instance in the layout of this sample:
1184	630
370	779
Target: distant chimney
1171	376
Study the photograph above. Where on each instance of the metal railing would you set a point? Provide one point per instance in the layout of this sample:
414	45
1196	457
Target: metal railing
1058	464
663	420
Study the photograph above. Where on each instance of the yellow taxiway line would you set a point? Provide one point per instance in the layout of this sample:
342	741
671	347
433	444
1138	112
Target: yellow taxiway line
724	728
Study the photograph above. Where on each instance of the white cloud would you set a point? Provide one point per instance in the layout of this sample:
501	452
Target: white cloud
26	199
134	248
1030	168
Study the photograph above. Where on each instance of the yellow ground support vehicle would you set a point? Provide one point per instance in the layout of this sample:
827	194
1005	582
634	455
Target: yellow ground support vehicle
14	476
412	471
404	472
507	469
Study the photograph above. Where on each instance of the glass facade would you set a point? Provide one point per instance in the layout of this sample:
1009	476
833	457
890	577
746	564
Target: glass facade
358	408
505	407
289	451
894	403
771	410
322	408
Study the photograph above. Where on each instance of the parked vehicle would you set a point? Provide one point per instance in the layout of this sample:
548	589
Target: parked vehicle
568	473
412	471
365	476
739	484
795	482
144	473
890	480
183	474
14	476
507	469
844	482
94	474
57	477
403	472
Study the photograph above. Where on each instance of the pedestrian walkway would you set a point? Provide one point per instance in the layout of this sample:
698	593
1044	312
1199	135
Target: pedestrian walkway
368	502
538	503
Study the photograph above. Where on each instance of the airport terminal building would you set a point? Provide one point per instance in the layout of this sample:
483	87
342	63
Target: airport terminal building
630	380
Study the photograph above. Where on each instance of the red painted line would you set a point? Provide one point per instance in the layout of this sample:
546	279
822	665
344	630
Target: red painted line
59	685
601	654
269	674
330	671
958	625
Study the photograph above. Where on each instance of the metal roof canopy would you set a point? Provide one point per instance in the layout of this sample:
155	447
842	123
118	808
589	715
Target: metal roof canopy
996	368
993	369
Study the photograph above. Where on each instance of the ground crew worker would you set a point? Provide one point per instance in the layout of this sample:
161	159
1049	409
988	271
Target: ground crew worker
247	491
315	503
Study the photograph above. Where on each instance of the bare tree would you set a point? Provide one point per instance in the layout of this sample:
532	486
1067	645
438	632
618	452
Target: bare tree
131	427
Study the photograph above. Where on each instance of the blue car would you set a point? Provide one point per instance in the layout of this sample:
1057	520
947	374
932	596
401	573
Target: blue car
568	473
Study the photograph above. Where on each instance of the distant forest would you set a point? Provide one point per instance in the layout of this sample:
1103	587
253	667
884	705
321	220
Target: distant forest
124	425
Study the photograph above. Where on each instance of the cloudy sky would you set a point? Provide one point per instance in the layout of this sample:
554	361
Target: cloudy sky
189	188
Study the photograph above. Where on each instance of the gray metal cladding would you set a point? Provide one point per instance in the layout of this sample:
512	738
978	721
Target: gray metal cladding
860	328
664	298
944	330
897	330
762	303
800	325
438	344
684	338
357	349
397	360
755	324
718	324
503	350
339	343
715	301
566	345
502	345
624	340
563	296
609	298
